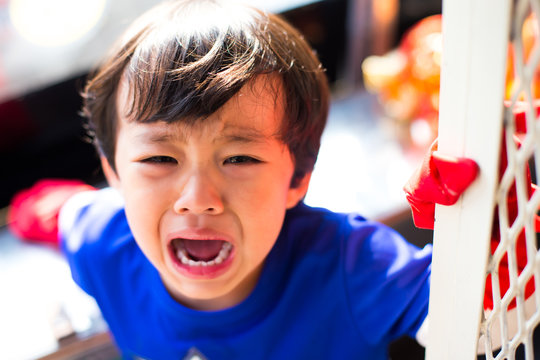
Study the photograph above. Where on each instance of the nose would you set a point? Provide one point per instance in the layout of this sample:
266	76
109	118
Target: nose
199	195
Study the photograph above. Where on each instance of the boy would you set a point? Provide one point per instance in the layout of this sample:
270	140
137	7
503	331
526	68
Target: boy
207	118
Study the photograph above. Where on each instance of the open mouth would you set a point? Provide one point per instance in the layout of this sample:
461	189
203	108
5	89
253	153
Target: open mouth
201	253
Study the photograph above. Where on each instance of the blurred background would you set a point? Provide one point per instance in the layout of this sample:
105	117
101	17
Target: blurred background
47	47
383	67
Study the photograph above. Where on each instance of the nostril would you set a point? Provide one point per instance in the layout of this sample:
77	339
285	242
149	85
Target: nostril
184	210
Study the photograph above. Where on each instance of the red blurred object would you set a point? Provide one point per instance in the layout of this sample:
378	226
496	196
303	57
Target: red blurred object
520	108
521	245
33	213
440	179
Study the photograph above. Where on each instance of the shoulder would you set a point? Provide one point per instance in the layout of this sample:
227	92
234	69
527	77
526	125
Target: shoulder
378	244
382	252
87	215
359	244
351	229
93	229
387	280
314	223
384	279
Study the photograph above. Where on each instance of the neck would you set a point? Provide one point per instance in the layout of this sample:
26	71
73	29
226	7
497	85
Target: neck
227	300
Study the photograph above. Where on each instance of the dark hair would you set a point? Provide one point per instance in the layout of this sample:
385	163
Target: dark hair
184	59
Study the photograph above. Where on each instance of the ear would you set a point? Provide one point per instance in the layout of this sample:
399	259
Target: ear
110	174
298	192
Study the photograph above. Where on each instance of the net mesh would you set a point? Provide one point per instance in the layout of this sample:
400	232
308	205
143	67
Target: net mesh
513	271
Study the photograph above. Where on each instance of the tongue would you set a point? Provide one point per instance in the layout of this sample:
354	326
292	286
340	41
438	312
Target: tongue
204	250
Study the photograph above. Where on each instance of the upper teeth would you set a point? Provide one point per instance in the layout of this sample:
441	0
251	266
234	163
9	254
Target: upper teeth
223	254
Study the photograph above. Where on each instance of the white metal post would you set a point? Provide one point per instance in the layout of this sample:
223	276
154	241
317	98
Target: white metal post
475	40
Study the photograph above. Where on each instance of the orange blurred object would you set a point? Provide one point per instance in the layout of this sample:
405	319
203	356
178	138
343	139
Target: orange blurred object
407	79
529	38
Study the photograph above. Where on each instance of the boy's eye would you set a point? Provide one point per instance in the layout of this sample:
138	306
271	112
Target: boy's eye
160	160
241	159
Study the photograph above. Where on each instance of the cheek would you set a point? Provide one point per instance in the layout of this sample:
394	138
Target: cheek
143	211
145	231
140	218
261	234
262	210
144	194
267	194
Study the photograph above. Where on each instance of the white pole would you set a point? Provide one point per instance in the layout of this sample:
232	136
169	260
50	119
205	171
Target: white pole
475	40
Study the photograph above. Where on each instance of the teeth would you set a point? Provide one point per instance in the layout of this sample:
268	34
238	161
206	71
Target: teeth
182	254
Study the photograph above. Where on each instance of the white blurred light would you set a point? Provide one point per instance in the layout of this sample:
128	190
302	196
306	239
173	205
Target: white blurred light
55	22
339	174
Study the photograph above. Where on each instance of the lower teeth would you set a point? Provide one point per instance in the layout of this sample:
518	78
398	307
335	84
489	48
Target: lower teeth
223	254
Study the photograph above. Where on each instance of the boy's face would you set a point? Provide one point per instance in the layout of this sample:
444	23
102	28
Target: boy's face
207	202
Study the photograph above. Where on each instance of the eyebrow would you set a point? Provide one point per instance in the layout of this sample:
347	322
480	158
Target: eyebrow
158	137
162	135
230	134
241	134
244	137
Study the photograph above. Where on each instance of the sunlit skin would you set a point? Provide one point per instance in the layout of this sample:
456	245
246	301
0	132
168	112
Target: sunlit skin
227	178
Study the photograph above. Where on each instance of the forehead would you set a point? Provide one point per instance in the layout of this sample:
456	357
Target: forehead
256	110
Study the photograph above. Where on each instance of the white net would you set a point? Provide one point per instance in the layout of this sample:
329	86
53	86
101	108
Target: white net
513	270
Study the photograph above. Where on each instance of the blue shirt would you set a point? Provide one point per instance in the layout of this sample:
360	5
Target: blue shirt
333	286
